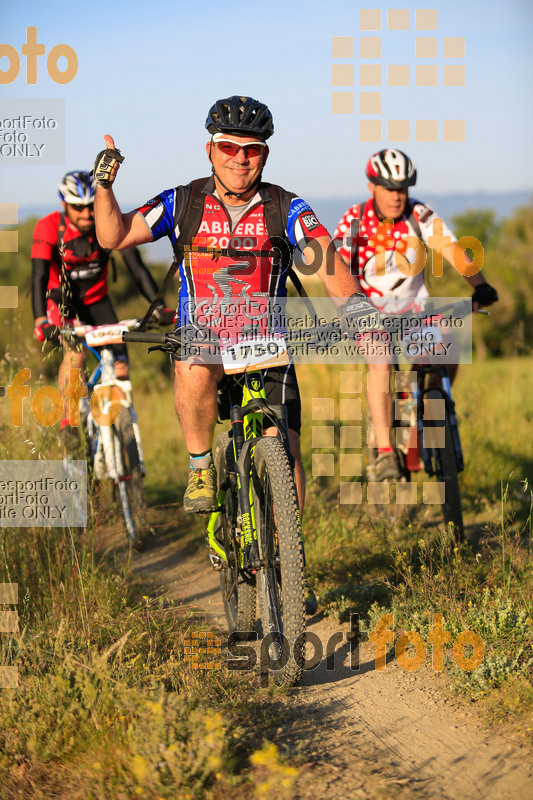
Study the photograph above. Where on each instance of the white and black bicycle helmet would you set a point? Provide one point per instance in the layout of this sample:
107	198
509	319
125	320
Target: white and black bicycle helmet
392	169
240	115
77	188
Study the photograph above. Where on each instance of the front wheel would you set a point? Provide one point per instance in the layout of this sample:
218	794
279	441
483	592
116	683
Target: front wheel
238	590
280	580
446	471
130	479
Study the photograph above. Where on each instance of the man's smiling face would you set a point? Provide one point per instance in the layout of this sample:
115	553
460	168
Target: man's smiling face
240	171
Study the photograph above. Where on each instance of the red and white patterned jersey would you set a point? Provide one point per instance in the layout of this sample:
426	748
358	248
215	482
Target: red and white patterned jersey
372	253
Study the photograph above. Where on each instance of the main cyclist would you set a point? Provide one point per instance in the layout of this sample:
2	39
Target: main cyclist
234	200
70	277
390	173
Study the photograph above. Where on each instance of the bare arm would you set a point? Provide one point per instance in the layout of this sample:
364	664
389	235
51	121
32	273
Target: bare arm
115	230
331	268
470	271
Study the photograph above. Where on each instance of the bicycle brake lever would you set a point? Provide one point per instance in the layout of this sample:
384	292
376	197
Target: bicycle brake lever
165	348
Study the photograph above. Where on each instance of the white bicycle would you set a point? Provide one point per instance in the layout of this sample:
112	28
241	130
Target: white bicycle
113	440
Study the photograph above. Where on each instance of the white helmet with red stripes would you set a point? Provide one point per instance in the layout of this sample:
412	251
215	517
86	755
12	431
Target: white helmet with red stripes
392	169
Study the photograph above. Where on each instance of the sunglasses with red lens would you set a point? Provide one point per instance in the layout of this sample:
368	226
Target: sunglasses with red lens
230	148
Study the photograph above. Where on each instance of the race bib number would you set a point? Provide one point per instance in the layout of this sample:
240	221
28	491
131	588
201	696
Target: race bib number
104	335
261	352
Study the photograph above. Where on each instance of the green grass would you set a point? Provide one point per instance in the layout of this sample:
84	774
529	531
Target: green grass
107	706
372	559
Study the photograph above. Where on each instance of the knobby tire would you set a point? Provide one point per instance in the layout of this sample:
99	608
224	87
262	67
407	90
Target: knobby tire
280	581
446	471
238	590
130	484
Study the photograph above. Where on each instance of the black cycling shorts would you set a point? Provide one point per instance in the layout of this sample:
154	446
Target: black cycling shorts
281	387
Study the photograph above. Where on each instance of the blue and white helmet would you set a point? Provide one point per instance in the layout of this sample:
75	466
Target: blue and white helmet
77	188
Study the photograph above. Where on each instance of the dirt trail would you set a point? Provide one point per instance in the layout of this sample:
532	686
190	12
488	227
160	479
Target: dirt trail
366	733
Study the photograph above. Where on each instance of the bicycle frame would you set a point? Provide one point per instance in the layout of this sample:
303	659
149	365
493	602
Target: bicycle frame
115	449
247	419
104	375
445	390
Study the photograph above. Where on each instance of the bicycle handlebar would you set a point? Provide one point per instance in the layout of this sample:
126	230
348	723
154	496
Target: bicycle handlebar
172	341
150	337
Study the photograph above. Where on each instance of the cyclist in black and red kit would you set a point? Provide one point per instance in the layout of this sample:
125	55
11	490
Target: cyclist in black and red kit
234	204
70	275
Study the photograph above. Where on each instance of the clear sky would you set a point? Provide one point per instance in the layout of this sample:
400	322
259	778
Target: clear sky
148	73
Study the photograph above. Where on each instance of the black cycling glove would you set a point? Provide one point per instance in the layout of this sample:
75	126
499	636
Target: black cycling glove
485	295
358	315
104	163
162	315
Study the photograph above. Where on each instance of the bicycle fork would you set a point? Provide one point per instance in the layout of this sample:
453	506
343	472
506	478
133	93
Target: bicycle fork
446	393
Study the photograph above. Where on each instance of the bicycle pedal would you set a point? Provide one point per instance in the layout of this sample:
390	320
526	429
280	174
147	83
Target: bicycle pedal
216	561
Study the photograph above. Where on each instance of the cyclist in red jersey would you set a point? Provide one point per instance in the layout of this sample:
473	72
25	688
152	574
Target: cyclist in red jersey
239	127
235	124
70	275
390	174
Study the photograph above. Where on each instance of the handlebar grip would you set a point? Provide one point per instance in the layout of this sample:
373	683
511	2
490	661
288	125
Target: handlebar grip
153	337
